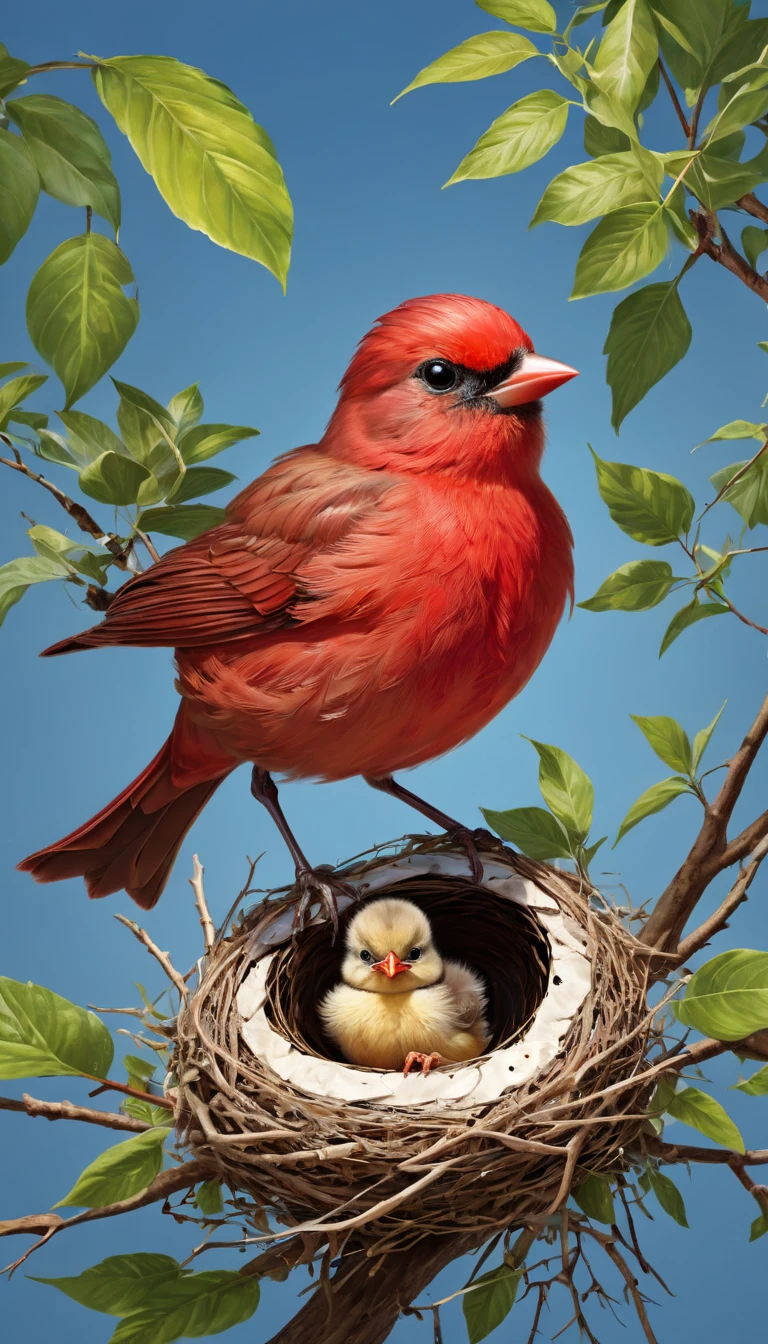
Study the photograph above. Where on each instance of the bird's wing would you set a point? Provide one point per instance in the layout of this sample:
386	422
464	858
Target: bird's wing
468	993
244	577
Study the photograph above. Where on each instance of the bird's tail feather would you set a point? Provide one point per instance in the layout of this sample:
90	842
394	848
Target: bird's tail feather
131	844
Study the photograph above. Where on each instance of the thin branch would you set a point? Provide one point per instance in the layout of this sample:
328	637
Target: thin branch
111	1085
737	475
753	206
736	896
147	543
670	1153
49	1224
696	114
154	951
612	1251
726	254
46	66
710	852
64	1110
761	629
675	100
206	923
77	513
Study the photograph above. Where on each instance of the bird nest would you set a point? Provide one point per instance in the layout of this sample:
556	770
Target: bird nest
330	1149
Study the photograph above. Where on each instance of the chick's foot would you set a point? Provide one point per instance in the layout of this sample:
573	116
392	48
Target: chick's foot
427	1062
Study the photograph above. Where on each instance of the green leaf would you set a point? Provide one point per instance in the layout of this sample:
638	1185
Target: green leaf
205	441
53	545
653	800
53	448
754	241
534	831
649	334
536	15
200	1304
138	1067
113	479
686	616
78	317
12	71
728	996
702	1112
209	1198
667	738
186	408
702	739
648	505
182	520
756	1086
213	165
627	53
626	245
663	1093
759	1227
597	187
519	137
119	1173
594	1198
200	481
737	429
668	1196
718	181
119	1284
477	58
17	575
749	495
489	1301
636	586
143	1110
745	106
678	219
600	139
34	419
16	391
70	152
43	1035
12	366
19	190
89	437
694	36
565	788
149	432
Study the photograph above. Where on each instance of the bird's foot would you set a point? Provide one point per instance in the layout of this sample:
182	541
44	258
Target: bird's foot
427	1062
319	884
471	841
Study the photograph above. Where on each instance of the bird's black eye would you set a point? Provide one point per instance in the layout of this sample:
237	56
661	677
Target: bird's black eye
366	957
439	375
414	954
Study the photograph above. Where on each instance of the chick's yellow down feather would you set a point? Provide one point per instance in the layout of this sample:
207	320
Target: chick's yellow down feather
397	995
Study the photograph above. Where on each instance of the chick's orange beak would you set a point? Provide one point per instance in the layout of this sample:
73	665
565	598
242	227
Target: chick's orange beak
535	377
391	965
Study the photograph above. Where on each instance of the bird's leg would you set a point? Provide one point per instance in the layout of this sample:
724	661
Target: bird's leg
461	834
311	882
427	1062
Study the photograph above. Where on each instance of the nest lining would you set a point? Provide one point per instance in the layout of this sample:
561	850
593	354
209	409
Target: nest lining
332	1148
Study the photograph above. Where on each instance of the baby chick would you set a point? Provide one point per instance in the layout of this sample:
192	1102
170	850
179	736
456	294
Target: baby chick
399	1003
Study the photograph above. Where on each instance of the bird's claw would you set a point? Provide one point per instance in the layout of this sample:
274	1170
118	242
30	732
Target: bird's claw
320	884
427	1062
470	840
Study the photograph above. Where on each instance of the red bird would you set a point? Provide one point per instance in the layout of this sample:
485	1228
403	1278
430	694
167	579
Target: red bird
369	603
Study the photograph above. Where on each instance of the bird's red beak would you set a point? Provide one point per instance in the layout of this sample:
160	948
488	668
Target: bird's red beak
391	966
535	377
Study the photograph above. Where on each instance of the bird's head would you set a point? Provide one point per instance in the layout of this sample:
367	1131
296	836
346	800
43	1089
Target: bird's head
445	383
389	949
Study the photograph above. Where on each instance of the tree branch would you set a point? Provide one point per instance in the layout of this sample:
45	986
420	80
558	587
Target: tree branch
49	1224
726	255
754	207
710	852
77	512
154	951
736	896
670	1153
65	1110
675	100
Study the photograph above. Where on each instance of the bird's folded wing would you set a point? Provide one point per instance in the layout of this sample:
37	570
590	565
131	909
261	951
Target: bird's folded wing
243	577
467	991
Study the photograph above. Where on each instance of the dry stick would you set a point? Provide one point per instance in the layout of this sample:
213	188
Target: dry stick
609	1246
77	513
154	951
111	1085
206	923
65	1110
166	1184
710	852
719	920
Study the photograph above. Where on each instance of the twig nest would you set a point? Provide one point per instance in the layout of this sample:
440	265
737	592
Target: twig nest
330	1148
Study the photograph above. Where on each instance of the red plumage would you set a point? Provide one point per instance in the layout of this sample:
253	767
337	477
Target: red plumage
370	602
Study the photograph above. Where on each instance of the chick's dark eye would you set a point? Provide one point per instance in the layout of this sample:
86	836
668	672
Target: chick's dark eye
414	954
366	957
439	375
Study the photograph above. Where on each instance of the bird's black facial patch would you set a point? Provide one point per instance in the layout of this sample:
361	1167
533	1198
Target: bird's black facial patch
472	386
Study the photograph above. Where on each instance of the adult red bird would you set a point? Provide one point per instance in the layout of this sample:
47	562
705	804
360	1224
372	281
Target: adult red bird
369	603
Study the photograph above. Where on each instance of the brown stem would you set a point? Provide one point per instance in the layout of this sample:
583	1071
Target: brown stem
675	100
737	475
64	1110
361	1308
149	545
736	896
670	1153
694	128
58	65
726	255
111	1085
710	852
753	206
761	629
79	515
612	1251
47	1225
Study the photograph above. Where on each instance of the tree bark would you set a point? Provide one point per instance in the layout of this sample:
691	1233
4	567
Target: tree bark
360	1309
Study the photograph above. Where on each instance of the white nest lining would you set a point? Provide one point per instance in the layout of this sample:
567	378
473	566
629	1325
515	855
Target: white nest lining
475	1083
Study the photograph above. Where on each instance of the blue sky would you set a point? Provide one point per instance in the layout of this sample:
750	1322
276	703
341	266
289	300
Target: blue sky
373	228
